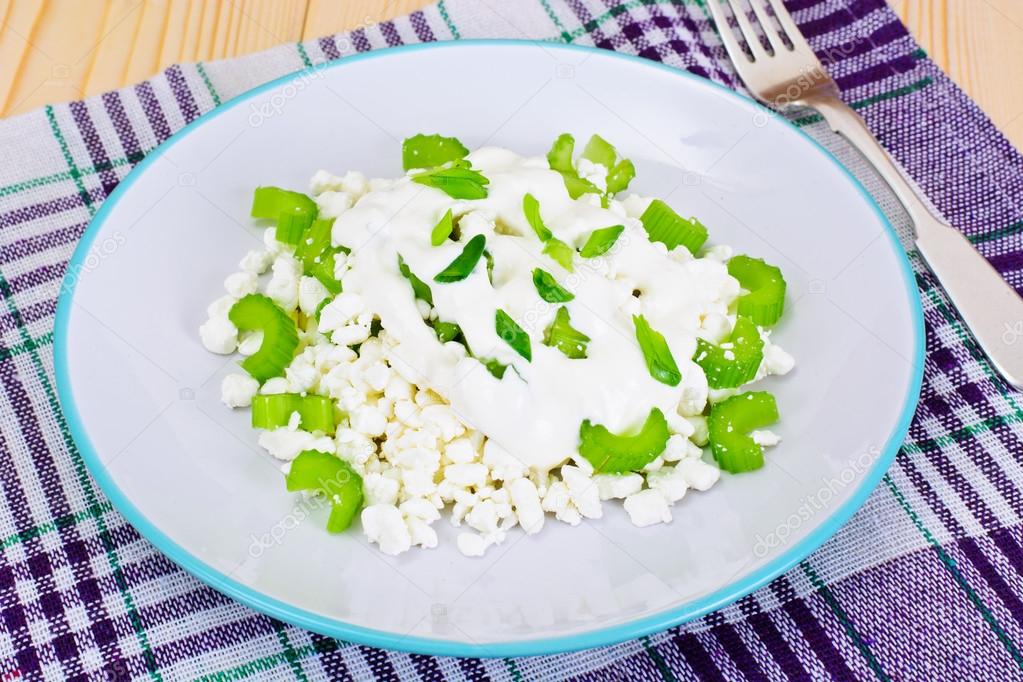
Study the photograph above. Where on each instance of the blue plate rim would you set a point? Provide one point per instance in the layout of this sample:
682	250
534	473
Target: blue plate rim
437	647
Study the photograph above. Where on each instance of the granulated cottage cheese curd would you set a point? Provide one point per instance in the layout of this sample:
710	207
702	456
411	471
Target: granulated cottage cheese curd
497	348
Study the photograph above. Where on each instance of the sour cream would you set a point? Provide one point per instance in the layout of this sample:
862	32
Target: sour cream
535	411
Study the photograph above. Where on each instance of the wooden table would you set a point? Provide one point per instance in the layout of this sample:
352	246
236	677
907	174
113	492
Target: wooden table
56	50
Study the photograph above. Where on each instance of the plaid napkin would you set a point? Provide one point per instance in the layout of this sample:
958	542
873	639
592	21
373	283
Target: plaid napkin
923	584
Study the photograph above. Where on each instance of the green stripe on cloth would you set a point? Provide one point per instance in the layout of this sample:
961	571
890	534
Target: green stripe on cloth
867	101
850	630
290	655
1007	231
961	434
303	55
58	523
26	346
76	174
83	477
443	11
950	566
208	83
565	35
67	175
658	660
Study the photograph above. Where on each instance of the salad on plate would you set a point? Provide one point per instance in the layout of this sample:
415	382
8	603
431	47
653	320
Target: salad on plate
496	338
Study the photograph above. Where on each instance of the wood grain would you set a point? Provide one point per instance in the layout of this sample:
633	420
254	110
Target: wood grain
57	50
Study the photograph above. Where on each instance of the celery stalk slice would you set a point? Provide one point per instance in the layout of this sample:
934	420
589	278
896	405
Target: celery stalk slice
280	336
611	453
729	425
765	301
531	207
599	150
560	155
600	241
562	335
428	151
420	289
274	411
443	229
664	225
730	367
549	289
332	477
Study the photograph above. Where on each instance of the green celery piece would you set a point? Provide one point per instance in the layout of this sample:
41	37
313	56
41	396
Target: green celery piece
659	360
320	307
334	478
560	155
610	453
664	225
531	207
291	226
735	366
280	336
314	242
420	289
599	150
428	151
495	368
446	331
275	410
323	270
271	202
561	252
765	301
599	241
458	182
729	425
549	289
442	230
562	335
489	258
619	177
577	185
463	264
512	334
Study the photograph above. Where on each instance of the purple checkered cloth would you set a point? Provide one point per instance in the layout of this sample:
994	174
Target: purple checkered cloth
924	583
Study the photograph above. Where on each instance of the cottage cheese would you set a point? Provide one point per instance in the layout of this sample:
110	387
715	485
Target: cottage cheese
425	425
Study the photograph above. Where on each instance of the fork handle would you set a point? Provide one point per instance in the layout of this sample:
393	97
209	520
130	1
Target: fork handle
991	308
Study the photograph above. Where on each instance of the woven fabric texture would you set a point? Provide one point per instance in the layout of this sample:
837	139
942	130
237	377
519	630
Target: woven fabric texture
924	583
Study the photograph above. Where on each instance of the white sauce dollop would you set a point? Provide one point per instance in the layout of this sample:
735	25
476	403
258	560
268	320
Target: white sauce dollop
535	411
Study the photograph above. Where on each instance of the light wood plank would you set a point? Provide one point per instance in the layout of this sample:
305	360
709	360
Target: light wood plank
324	17
20	19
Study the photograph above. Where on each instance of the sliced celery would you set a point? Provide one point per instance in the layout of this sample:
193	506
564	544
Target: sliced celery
420	289
458	182
512	334
332	477
549	289
562	335
765	301
664	225
280	336
274	411
599	241
599	150
464	263
271	202
531	207
577	185
427	151
619	177
560	155
560	252
443	229
735	362
659	360
611	453
729	425
314	242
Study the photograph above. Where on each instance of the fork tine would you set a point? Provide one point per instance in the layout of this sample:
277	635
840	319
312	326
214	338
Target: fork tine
789	26
747	30
773	37
732	45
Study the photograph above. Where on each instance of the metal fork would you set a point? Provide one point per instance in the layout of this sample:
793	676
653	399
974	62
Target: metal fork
788	75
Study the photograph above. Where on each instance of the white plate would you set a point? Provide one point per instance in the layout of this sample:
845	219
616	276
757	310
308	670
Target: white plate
141	393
